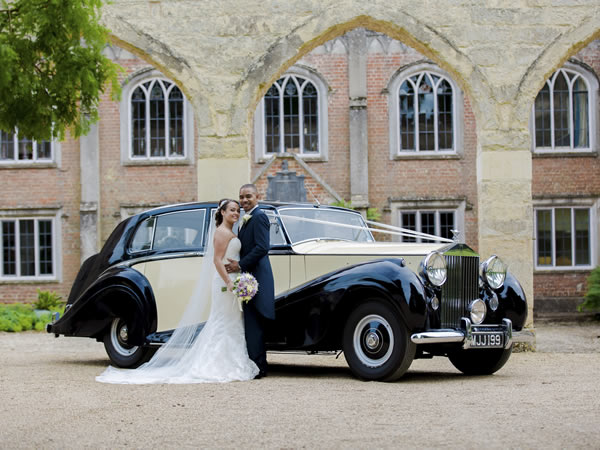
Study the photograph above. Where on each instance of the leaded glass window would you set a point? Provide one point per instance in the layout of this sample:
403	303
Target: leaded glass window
15	148
157	120
291	116
27	247
437	223
562	115
426	113
563	237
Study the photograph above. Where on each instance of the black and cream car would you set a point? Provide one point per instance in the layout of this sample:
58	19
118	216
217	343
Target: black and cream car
337	288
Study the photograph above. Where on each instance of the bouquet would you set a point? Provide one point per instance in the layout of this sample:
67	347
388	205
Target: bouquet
245	287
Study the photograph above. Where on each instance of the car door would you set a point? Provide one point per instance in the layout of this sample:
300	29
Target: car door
175	244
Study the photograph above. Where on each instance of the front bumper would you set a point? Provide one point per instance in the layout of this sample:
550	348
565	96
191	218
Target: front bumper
471	336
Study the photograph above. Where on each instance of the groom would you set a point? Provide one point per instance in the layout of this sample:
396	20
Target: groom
254	233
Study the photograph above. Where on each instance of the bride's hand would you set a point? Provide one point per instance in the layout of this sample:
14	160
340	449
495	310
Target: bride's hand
230	286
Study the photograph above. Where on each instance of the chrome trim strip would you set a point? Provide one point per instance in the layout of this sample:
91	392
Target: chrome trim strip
134	261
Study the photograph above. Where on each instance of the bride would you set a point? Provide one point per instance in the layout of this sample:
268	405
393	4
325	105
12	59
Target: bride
218	354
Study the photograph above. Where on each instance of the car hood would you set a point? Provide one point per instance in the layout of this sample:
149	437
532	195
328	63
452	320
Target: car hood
334	247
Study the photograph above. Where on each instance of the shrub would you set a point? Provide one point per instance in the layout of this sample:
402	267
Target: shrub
48	300
592	296
20	317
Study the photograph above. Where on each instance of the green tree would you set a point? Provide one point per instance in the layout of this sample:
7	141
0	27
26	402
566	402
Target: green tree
52	70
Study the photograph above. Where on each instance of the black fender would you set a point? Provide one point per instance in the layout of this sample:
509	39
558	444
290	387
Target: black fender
312	316
119	292
512	301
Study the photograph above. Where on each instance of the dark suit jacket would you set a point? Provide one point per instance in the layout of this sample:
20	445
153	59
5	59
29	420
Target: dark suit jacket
254	258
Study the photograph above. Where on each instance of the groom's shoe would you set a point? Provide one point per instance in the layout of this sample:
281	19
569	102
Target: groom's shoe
260	374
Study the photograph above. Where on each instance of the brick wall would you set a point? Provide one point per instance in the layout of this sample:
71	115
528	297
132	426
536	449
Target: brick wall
120	185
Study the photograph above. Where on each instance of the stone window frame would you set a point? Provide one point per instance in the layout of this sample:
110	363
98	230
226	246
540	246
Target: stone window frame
392	89
458	206
322	91
15	163
592	84
593	205
51	214
125	112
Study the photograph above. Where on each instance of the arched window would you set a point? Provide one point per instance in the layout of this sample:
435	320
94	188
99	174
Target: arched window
423	118
292	117
157	121
563	113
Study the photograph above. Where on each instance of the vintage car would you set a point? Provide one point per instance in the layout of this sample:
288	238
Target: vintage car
337	289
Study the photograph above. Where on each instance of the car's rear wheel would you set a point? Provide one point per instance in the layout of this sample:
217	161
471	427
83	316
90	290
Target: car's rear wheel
120	352
376	342
480	362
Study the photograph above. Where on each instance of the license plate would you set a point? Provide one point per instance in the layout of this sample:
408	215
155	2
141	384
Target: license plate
487	340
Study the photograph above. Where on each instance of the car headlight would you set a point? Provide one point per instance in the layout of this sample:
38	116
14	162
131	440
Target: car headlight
477	311
434	268
493	271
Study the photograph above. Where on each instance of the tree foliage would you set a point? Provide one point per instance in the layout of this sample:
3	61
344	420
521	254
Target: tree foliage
52	69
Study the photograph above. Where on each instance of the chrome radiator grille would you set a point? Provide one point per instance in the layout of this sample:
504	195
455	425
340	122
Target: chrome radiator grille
460	288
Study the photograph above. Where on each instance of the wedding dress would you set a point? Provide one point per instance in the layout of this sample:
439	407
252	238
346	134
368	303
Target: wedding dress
218	354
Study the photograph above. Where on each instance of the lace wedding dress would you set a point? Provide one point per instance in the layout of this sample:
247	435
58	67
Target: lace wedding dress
217	355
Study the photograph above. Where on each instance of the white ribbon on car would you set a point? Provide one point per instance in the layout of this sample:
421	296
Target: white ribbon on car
389	229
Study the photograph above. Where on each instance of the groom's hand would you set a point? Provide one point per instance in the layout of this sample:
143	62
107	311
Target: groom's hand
232	266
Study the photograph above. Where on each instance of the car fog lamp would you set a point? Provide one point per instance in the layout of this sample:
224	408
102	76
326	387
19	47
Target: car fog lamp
494	272
435	303
493	302
477	310
434	268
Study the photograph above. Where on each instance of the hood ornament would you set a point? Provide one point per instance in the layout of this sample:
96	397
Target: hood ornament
456	235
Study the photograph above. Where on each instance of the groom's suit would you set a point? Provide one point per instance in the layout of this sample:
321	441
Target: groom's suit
254	258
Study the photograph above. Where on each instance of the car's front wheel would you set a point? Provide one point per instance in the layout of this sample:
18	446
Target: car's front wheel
120	352
376	342
480	362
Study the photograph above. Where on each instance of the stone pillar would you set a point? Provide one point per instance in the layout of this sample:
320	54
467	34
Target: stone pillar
505	219
223	166
359	144
89	161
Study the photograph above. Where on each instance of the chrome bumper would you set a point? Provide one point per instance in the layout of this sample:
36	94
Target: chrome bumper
466	336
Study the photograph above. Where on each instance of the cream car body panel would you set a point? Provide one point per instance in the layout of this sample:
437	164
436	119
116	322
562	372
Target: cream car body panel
321	257
173	281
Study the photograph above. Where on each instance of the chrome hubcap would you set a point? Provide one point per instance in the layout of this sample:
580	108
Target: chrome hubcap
123	333
119	335
373	340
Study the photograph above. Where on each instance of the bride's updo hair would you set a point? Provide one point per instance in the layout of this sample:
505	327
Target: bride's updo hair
222	206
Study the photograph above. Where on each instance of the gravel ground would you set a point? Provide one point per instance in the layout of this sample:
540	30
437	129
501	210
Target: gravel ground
546	399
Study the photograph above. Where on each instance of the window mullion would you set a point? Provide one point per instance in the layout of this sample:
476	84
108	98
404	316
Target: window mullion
571	115
553	234
36	247
416	107
281	118
167	131
436	145
573	236
17	248
15	146
551	91
148	116
301	119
